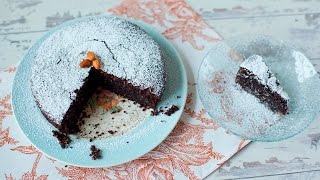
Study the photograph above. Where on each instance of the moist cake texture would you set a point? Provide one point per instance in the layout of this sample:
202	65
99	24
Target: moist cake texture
132	66
255	77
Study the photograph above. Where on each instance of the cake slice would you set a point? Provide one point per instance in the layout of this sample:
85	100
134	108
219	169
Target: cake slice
255	77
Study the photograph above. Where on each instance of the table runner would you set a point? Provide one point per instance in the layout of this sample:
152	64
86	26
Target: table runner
195	148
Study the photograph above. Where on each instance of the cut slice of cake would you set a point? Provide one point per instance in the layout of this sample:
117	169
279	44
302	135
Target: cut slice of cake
255	77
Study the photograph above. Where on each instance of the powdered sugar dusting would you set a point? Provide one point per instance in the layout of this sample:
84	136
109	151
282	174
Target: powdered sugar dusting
243	113
303	67
124	49
256	65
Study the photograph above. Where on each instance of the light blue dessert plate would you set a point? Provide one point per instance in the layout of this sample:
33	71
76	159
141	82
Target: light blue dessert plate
115	150
242	113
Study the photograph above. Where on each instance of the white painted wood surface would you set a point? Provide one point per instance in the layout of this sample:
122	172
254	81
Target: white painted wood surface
296	21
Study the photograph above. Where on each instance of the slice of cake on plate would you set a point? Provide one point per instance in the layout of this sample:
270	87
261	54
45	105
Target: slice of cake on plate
255	77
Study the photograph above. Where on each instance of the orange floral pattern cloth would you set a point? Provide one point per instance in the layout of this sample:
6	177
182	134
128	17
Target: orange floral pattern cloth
193	150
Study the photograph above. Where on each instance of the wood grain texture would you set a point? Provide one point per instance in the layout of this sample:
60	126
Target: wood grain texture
39	15
297	154
235	9
14	46
303	175
302	31
296	21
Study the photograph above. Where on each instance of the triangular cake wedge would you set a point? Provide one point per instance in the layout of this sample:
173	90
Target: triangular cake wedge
255	77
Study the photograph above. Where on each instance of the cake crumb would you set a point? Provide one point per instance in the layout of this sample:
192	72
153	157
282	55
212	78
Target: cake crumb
64	139
154	113
95	153
171	110
112	132
178	97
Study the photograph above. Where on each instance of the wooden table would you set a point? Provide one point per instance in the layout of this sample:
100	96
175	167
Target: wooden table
296	21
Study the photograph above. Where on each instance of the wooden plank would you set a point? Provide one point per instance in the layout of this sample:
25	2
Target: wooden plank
289	176
14	46
39	15
300	30
300	153
228	9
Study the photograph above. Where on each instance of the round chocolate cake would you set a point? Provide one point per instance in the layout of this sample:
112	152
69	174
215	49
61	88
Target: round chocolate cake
132	65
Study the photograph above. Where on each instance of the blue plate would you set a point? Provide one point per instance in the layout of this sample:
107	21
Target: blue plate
242	113
115	150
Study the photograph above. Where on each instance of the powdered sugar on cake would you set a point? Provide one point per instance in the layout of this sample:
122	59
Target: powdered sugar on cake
256	65
303	67
125	50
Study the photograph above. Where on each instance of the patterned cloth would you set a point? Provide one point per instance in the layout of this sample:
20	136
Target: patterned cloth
195	148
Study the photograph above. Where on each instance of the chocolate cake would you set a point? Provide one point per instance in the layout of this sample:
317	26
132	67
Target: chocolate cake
256	78
95	153
171	110
132	65
64	139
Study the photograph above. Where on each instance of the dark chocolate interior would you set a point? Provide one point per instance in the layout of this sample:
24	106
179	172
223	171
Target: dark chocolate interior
246	79
98	78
